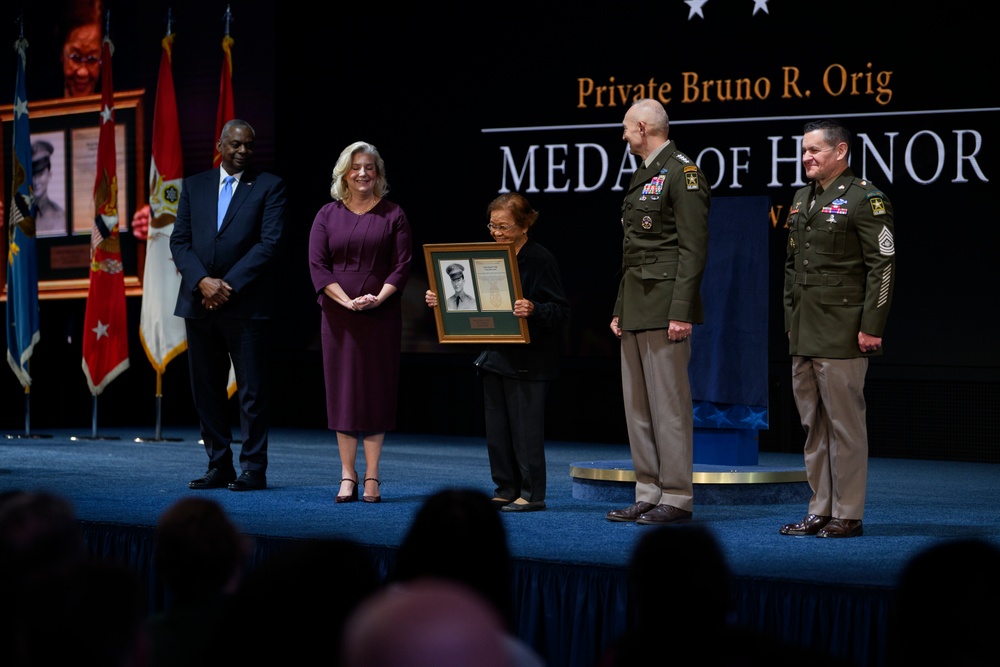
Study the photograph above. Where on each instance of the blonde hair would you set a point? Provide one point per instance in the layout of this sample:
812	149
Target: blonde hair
339	189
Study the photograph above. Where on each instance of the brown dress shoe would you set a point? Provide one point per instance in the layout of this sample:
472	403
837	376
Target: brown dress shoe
810	525
664	514
630	513
842	528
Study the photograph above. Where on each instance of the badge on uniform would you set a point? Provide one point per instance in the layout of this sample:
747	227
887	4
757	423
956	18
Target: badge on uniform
886	246
691	177
877	203
647	222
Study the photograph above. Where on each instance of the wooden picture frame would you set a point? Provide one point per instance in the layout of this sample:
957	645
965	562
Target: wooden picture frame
71	127
486	279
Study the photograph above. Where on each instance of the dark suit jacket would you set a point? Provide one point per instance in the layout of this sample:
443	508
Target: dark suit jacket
665	221
243	252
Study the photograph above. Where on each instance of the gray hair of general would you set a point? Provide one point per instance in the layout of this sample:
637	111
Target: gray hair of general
339	189
232	125
652	113
833	132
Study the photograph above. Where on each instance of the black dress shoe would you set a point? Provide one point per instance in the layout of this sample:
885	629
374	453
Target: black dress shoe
842	528
630	513
215	478
534	506
499	502
810	525
250	480
664	515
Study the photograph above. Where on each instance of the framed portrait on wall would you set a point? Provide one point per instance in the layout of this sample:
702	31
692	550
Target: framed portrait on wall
64	139
477	285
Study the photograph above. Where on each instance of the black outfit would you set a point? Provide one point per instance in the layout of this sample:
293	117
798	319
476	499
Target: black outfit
516	380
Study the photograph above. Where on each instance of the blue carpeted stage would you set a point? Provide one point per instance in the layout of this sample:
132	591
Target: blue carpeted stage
570	587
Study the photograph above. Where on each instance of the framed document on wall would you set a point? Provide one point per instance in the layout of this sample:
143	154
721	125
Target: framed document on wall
477	285
64	138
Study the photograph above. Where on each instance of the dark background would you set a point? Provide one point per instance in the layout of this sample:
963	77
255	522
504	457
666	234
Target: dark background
439	88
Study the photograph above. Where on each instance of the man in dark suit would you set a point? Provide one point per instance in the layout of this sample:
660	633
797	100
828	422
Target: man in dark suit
665	222
838	287
227	256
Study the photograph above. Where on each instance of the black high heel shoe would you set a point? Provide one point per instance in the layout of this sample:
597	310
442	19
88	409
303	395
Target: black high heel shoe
372	499
350	497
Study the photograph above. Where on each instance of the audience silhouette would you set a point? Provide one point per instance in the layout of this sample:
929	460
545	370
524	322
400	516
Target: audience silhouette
426	622
446	600
199	557
292	606
695	606
457	535
60	607
944	611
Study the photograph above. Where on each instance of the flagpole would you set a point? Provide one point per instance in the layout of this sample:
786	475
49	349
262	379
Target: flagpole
93	426
27	421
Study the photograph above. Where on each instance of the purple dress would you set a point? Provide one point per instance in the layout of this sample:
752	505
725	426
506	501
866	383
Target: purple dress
361	349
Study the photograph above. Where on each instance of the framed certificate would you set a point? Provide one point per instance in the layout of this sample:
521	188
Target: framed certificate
477	285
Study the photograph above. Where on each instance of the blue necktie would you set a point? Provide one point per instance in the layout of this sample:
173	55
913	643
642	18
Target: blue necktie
224	198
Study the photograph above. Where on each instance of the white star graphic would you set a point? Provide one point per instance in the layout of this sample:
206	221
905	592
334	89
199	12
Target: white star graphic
759	5
101	329
106	114
695	6
20	108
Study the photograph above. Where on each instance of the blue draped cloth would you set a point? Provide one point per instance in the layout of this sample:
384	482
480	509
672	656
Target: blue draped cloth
728	367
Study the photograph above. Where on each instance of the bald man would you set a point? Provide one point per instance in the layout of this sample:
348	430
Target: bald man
425	623
664	220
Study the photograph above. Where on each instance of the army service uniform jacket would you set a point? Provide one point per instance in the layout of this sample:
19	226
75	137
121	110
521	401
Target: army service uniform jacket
839	268
665	223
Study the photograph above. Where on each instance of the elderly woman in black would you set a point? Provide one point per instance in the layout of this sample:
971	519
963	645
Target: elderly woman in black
516	377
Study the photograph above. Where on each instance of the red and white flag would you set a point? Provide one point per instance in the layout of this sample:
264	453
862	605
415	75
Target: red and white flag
161	332
105	329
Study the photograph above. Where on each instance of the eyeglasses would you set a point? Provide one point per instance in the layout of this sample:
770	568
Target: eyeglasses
498	228
80	59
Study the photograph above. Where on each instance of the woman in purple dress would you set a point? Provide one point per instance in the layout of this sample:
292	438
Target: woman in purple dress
359	260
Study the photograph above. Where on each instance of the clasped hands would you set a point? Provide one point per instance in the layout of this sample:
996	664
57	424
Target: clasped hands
215	292
363	302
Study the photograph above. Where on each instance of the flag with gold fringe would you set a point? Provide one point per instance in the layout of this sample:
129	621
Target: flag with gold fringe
105	330
22	259
161	332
